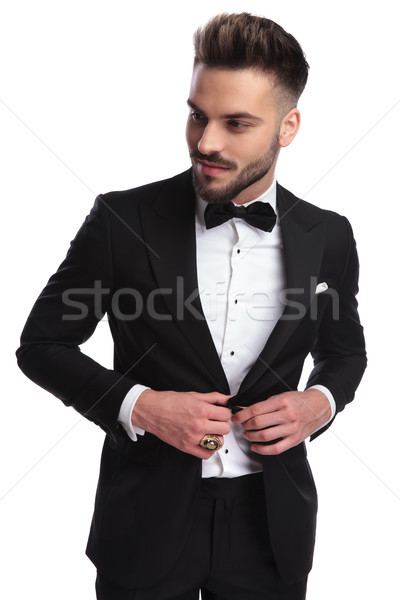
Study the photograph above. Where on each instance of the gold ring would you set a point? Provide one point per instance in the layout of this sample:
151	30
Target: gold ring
211	442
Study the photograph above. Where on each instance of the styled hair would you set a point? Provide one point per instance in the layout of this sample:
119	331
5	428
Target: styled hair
244	41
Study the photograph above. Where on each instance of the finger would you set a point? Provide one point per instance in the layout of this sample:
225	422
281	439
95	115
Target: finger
218	413
202	453
268	435
268	406
213	398
264	421
274	449
217	428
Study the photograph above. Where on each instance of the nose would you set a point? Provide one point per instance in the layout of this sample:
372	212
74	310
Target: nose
212	140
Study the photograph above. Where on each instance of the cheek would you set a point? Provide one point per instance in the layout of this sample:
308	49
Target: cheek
256	148
192	135
247	151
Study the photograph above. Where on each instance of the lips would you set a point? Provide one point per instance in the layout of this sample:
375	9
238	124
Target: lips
212	169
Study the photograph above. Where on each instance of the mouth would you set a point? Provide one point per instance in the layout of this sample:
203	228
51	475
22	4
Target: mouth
212	169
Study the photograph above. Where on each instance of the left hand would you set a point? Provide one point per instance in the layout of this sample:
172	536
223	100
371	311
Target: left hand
290	418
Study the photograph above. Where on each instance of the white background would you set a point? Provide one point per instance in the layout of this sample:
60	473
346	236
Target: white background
93	98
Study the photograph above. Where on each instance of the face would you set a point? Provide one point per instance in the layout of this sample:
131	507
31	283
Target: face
234	133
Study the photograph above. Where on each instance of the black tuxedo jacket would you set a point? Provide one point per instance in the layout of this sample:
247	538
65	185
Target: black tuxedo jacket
134	258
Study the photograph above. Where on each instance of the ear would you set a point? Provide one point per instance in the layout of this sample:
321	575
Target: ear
289	127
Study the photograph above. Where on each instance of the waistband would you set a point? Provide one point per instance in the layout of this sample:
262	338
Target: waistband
235	487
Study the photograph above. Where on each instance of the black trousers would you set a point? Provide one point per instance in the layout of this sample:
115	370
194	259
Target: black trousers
228	555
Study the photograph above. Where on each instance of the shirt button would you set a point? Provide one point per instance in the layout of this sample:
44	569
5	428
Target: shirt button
238	251
226	451
236	301
232	353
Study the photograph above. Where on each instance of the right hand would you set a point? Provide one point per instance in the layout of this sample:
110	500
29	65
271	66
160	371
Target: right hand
181	419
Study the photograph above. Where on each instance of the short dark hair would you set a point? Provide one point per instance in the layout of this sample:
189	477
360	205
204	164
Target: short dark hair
242	41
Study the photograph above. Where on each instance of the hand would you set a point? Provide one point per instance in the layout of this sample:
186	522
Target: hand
181	419
289	418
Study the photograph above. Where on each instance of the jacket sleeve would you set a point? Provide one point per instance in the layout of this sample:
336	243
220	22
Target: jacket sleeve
339	349
64	316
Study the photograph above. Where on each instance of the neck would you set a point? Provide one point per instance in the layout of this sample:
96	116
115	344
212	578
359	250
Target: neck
257	189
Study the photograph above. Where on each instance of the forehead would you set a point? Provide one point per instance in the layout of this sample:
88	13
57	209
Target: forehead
231	90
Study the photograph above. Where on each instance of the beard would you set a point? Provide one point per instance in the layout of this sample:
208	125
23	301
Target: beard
249	175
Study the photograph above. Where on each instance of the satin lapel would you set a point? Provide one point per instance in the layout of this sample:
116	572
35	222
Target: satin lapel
303	244
169	230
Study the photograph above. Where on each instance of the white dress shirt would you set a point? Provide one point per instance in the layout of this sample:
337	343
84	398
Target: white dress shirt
241	276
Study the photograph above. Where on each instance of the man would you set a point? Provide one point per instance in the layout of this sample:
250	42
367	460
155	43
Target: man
217	284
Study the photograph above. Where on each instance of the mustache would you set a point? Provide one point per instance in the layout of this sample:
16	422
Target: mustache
215	158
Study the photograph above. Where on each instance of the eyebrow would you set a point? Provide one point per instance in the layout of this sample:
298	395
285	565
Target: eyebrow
238	115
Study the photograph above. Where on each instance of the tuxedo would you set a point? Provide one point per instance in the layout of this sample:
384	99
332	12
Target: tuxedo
134	258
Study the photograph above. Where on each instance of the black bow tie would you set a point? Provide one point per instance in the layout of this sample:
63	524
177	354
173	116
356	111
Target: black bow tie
259	214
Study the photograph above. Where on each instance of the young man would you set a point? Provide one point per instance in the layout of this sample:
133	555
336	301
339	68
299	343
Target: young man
217	284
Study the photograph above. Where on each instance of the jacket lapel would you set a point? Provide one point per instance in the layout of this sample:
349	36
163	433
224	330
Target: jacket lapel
169	230
303	243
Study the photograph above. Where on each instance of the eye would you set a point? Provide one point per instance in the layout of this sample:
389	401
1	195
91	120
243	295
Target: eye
197	116
238	125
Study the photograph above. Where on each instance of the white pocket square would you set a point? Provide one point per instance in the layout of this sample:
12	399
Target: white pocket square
321	287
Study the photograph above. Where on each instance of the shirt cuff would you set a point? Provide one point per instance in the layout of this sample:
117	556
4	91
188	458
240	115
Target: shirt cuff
331	400
125	412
